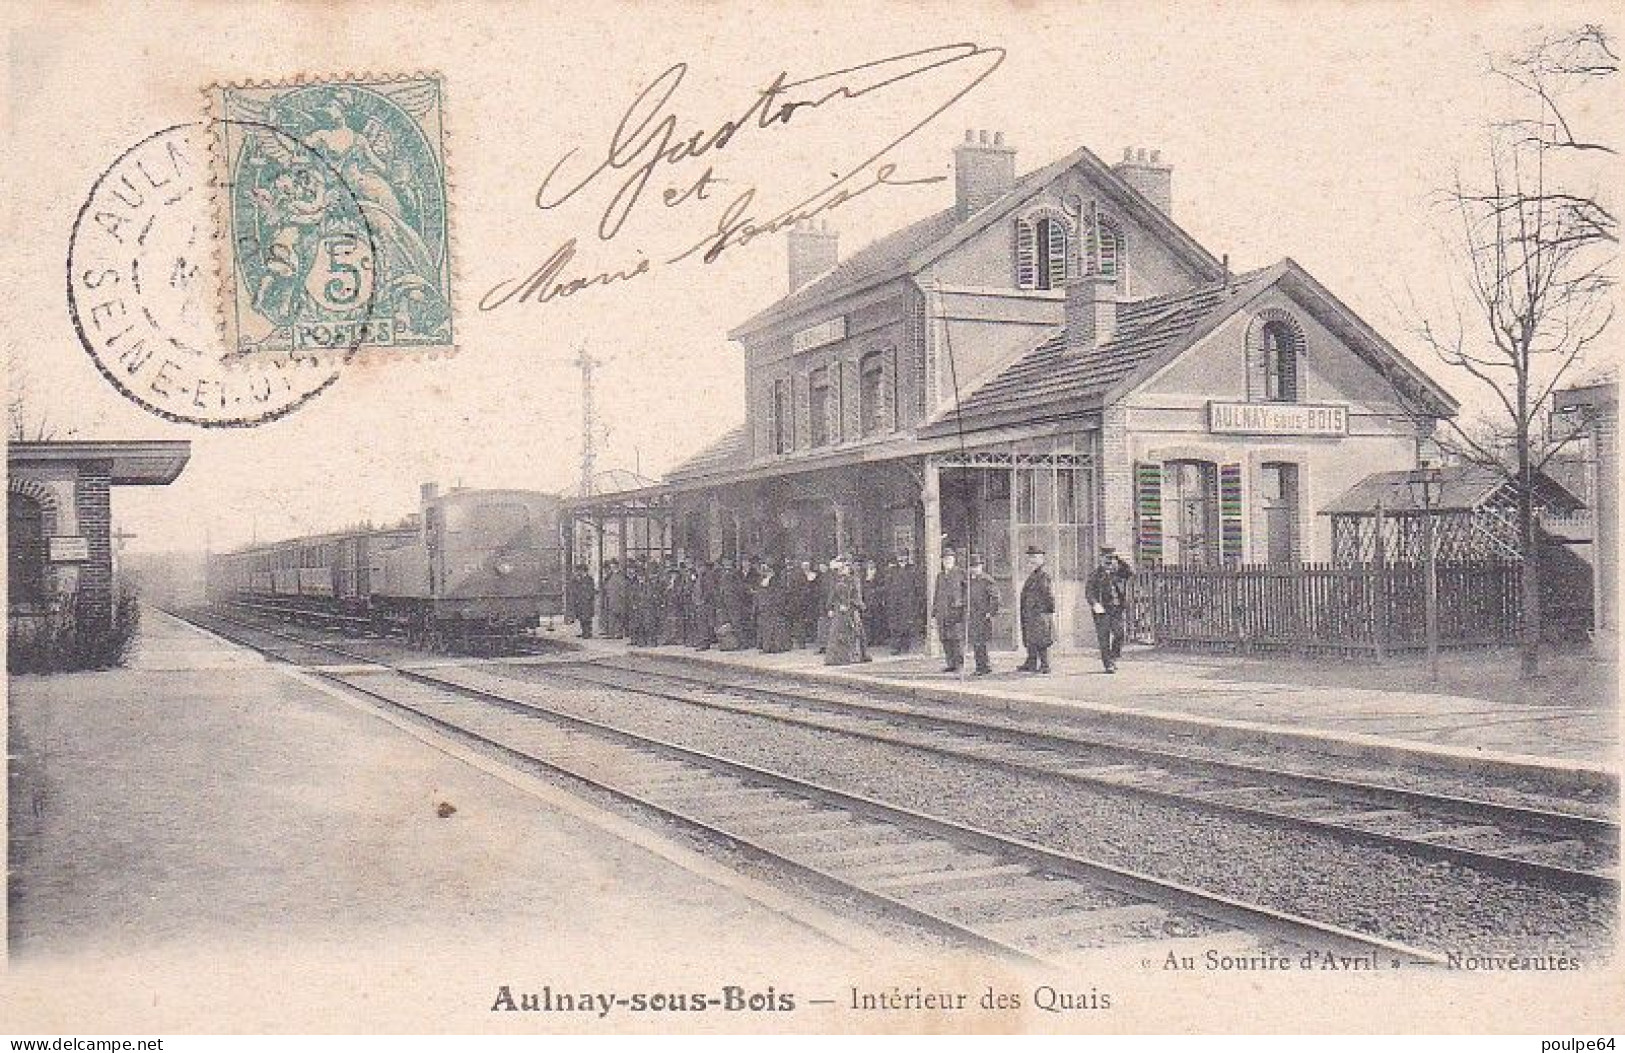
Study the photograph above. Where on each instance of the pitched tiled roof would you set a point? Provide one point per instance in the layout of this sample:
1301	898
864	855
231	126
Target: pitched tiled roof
725	452
1050	380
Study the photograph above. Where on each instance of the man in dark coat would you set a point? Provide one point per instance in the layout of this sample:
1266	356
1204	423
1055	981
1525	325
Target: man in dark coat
801	586
901	593
981	605
948	608
1106	592
1037	614
702	624
583	596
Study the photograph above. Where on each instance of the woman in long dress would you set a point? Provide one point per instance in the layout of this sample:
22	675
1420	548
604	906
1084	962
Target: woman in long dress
845	644
773	615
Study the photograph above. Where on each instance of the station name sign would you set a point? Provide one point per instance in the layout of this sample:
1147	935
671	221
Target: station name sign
818	335
1277	418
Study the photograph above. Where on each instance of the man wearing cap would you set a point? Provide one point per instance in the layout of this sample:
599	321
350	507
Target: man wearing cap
948	608
982	604
1106	592
1037	614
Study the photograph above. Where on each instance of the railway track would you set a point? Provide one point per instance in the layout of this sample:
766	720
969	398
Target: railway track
970	885
1557	849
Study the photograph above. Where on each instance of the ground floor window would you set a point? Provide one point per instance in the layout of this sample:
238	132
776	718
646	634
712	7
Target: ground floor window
1190	512
1278	494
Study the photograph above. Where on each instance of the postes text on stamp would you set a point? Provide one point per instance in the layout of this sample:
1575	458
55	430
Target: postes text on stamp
334	208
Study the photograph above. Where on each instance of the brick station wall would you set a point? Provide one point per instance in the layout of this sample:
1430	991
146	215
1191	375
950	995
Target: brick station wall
93	505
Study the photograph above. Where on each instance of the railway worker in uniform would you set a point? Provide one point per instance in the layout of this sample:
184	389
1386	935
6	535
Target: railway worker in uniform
981	605
1037	614
772	611
1106	592
583	599
614	594
845	645
948	608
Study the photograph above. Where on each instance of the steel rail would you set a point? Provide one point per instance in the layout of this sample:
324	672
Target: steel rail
1253	918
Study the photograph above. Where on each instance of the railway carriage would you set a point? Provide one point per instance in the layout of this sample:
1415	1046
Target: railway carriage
470	564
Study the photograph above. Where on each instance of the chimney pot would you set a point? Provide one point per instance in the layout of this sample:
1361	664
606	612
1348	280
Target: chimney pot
970	136
812	248
984	170
429	491
1150	176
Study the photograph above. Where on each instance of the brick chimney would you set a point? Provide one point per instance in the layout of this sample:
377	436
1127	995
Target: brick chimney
1091	312
984	170
812	250
1146	173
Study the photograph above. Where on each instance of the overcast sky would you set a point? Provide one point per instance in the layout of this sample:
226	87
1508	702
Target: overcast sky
1315	131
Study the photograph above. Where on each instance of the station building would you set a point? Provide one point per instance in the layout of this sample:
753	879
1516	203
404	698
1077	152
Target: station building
59	523
1051	360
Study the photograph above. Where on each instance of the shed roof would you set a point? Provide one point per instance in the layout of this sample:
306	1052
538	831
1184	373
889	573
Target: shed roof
1462	488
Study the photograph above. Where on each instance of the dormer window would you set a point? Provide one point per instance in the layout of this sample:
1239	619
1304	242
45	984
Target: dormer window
1043	251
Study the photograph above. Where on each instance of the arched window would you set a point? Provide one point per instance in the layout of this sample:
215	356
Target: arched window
25	532
1280	363
1043	251
1109	258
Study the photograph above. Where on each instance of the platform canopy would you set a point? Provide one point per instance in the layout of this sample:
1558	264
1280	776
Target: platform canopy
136	462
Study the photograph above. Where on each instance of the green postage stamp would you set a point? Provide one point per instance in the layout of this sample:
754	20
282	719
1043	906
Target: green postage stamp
334	209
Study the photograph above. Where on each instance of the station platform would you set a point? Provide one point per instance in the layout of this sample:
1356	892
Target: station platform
206	805
1479	717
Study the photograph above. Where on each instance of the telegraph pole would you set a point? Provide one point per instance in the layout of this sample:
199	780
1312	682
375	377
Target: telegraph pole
588	363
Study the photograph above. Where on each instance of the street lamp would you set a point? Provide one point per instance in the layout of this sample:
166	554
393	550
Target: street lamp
1426	486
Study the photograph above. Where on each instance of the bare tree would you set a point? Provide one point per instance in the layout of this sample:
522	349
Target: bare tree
1534	242
26	420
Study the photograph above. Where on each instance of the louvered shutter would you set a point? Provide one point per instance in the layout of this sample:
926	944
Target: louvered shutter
1026	256
1057	252
1148	513
1230	513
1110	249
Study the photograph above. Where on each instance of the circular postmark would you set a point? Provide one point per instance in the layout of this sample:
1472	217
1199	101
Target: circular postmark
144	281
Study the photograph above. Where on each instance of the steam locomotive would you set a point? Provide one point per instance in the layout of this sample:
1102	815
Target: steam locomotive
471	564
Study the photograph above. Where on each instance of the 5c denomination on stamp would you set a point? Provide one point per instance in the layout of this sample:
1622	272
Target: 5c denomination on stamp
334	208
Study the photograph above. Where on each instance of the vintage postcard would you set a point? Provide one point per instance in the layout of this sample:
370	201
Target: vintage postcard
708	518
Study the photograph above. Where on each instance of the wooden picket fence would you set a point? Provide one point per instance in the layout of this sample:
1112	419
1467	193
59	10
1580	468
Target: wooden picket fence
1363	607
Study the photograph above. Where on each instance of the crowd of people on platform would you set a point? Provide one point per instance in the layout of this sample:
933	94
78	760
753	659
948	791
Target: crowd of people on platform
841	608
